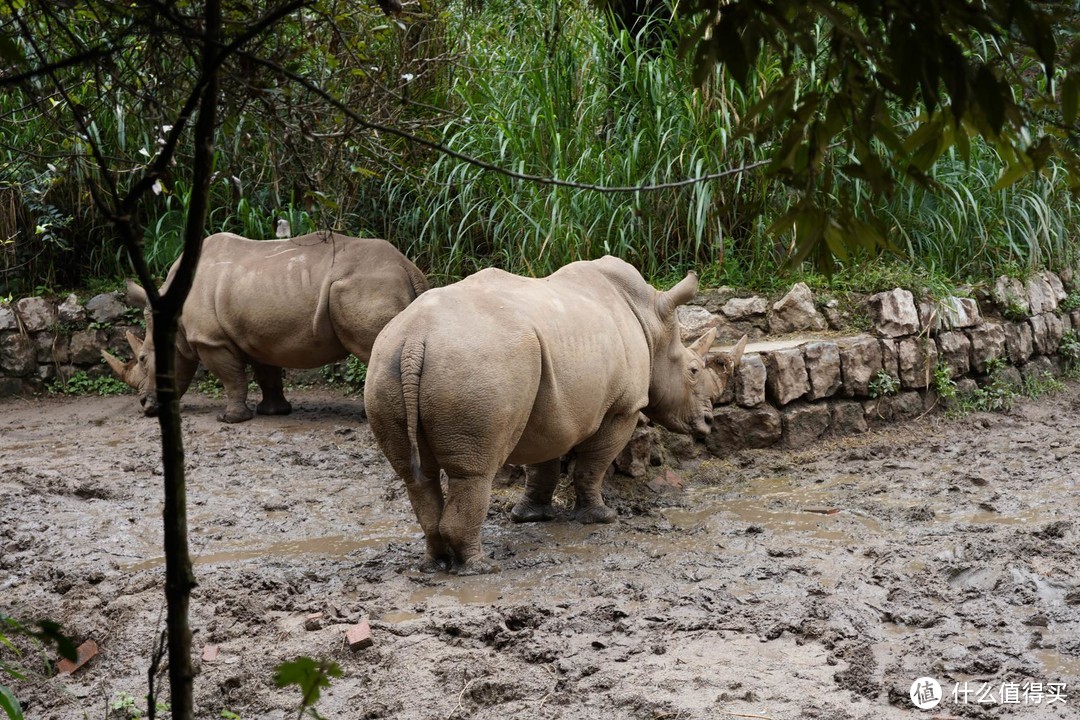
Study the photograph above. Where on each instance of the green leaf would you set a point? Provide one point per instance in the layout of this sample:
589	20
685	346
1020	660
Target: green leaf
9	704
1009	176
990	96
310	676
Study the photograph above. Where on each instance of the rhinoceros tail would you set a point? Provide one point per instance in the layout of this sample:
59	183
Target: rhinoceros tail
412	366
417	280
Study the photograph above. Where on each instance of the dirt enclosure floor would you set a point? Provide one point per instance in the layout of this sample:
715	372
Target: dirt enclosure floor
776	584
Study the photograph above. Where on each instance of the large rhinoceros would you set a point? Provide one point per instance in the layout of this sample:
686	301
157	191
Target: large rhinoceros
298	303
499	368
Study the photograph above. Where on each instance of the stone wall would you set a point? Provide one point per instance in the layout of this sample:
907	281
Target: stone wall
820	377
43	339
804	375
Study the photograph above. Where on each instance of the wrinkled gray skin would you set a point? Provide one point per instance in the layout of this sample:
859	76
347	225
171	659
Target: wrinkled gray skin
299	303
499	368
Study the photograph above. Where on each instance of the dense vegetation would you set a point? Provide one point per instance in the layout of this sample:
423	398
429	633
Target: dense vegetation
542	88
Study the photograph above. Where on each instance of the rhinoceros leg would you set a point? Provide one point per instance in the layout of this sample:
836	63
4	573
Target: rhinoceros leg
540	483
467	500
271	382
229	368
426	497
593	457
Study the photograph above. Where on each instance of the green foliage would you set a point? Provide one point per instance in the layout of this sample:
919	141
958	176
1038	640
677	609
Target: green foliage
211	387
1069	349
124	706
1070	303
1035	386
351	376
230	715
46	634
883	385
943	383
879	92
81	383
310	676
997	394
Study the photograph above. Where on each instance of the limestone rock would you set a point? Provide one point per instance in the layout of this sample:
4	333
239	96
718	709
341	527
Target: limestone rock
1018	341
1010	293
1046	332
712	299
822	369
917	358
890	361
804	423
16	354
695	321
954	349
51	348
86	346
949	314
987	343
735	428
860	360
893	313
847	417
745	308
7	319
787	379
795	311
1056	285
37	314
106	308
1041	295
750	381
71	312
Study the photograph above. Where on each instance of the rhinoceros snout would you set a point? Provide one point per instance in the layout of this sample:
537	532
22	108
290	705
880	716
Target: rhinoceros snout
703	426
149	406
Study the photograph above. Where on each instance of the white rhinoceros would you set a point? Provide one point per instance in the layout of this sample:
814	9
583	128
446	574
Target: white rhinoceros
298	303
499	368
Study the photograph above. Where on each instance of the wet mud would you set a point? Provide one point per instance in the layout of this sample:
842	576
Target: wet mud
777	584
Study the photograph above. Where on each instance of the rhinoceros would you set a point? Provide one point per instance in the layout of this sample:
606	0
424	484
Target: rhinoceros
299	303
501	369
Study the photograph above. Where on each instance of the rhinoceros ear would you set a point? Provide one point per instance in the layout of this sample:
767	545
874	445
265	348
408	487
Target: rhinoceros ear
136	295
702	344
679	295
121	369
729	361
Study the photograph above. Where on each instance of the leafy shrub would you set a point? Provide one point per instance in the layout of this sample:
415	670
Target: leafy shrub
82	384
883	384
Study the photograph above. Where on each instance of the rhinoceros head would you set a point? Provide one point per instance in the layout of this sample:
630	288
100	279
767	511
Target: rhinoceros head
686	381
139	371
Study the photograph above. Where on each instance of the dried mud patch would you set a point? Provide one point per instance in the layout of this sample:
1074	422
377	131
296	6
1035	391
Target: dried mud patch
777	584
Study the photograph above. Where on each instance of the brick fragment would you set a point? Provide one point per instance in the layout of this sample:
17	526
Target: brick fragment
84	654
359	636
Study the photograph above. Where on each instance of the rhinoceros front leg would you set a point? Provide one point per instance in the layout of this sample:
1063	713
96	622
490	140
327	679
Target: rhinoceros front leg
467	500
229	368
540	482
593	457
271	382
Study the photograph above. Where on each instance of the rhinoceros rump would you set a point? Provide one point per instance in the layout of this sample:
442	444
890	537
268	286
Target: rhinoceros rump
499	368
299	303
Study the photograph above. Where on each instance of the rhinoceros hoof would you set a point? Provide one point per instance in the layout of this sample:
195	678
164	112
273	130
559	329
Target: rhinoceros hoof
529	512
594	514
230	416
283	407
433	565
477	566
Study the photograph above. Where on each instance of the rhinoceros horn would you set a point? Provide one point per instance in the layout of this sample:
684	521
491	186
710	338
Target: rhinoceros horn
121	369
135	343
678	295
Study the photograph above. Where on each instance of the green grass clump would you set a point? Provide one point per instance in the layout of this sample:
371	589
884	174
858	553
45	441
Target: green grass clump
81	383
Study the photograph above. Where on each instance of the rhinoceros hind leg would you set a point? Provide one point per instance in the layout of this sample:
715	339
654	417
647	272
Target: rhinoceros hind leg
233	414
594	457
467	500
476	566
540	482
271	382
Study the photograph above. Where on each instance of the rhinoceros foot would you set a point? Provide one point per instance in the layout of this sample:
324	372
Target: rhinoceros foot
274	407
475	566
591	514
526	511
432	565
233	415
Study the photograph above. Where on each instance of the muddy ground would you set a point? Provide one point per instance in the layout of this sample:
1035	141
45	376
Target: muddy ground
953	554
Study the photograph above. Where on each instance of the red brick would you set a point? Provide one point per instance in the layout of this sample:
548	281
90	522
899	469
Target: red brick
210	653
359	636
83	655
